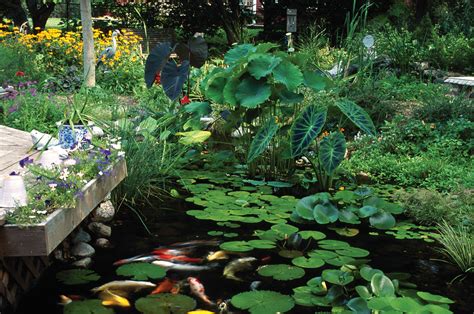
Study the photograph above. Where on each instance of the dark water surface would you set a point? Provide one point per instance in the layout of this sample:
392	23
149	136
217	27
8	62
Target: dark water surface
169	226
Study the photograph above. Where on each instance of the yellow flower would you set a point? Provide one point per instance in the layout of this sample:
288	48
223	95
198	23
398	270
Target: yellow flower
341	188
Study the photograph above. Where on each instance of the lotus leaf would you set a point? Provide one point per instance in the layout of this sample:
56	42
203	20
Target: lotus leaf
316	235
236	246
284	229
382	220
337	277
165	303
263	302
406	304
261	65
251	92
303	298
141	271
314	80
434	298
312	262
77	276
358	305
382	286
238	52
367	211
288	74
230	235
368	272
325	213
333	244
281	272
323	254
380	303
87	306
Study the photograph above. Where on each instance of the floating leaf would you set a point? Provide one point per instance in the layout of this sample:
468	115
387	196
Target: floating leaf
331	151
316	235
261	65
312	262
358	305
303	298
304	208
367	211
263	302
236	246
382	220
141	271
367	272
339	260
290	253
215	233
288	74
337	277
306	128
363	292
250	92
323	254
380	304
262	139
382	286
262	244
281	272
357	115
434	298
346	196
406	304
285	229
346	232
230	234
348	216
77	276
279	184
165	303
353	252
333	244
325	213
87	306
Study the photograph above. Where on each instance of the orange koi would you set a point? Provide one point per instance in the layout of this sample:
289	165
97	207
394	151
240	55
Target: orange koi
165	286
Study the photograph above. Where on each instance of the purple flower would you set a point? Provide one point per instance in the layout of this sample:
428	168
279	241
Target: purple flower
13	173
33	92
106	152
38	197
25	162
47	202
13	109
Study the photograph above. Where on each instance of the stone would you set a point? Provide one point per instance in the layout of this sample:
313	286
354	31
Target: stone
81	236
82	249
58	255
83	263
100	230
102	243
104	212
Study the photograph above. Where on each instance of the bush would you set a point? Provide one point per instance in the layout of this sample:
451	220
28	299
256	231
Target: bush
14	59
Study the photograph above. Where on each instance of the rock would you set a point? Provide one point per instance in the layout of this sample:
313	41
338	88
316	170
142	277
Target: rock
102	243
104	212
81	236
83	263
100	230
363	178
82	249
58	255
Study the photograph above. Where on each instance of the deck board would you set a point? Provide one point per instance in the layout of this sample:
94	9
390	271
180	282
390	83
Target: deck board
14	146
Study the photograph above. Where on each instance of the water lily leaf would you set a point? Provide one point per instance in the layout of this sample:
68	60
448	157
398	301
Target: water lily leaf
304	208
367	211
215	233
155	62
331	151
367	272
230	234
281	272
353	252
193	137
314	80
363	292
250	92
306	128
358	305
318	285
333	244
236	246
363	191
141	271
323	254
290	253
406	304
288	74
87	306
284	229
382	286
165	303
261	65
263	302
238	52
262	244
271	235
279	184
339	260
262	139
382	220
325	213
434	298
346	232
173	78
77	276
357	115
316	235
346	196
255	182
435	309
348	216
312	262
380	304
337	277
303	298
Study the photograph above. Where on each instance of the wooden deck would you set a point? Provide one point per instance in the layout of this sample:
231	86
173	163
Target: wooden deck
14	146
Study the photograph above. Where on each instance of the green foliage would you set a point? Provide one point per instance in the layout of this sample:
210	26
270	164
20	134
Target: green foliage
306	128
77	276
14	58
141	271
87	306
165	303
281	272
262	302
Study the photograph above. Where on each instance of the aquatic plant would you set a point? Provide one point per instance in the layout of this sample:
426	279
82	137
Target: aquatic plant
457	246
281	272
77	276
263	302
141	271
165	303
87	306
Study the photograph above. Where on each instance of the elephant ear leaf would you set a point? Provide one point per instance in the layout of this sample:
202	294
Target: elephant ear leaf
199	51
331	151
306	128
173	78
156	61
262	139
357	115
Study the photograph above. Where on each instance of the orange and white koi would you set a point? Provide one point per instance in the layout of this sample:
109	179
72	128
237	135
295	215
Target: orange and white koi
197	288
181	267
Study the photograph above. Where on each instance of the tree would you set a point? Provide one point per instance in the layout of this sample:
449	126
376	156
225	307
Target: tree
12	9
40	11
88	39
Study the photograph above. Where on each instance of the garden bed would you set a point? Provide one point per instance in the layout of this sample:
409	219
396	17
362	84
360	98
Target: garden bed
41	239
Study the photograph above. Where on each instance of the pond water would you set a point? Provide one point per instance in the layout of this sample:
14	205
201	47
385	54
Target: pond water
169	224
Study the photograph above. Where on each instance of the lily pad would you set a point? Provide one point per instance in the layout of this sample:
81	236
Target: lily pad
262	244
333	244
434	298
284	229
367	272
323	254
303	298
346	232
312	262
316	235
77	276
87	306
353	252
231	235
337	277
141	271
263	302
281	272
215	233
290	253
406	304
165	303
382	286
318	286
236	246
382	220
358	305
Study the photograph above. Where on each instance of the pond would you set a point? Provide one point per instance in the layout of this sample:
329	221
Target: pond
173	222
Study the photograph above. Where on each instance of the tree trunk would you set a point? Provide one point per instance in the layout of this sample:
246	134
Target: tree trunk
39	14
231	15
88	39
13	10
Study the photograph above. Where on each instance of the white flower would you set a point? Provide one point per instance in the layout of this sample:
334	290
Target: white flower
42	212
100	173
52	186
64	174
80	174
70	162
121	153
32	217
116	146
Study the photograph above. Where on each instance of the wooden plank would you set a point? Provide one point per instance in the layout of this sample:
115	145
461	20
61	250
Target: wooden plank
42	239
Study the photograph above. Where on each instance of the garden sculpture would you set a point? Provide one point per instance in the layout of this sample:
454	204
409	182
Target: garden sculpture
109	52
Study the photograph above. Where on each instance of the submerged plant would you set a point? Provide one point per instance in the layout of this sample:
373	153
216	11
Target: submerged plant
457	246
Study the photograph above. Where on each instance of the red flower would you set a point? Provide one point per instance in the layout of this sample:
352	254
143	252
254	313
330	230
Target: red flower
185	100
20	73
157	79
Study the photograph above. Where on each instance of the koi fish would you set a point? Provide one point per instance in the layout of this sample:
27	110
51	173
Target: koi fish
196	243
165	286
124	286
244	263
197	288
110	298
66	299
219	255
181	267
134	259
179	258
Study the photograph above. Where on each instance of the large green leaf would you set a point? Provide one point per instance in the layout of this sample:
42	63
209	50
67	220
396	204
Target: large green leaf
165	303
262	139
238	52
331	151
281	271
261	64
382	220
434	298
382	286
263	302
288	74
251	92
287	97
306	128
215	87
87	307
325	213
77	276
230	89
141	271
193	137
337	277
200	108
314	80
357	115
358	305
